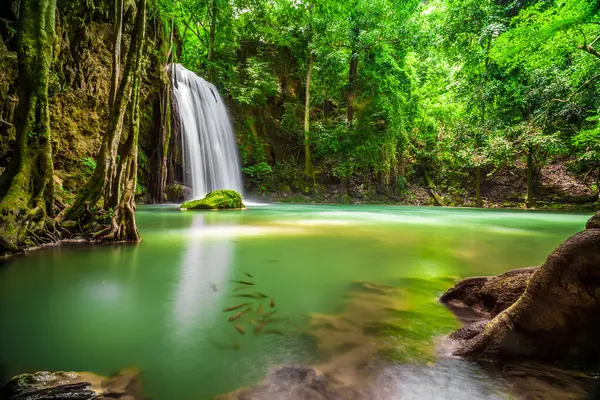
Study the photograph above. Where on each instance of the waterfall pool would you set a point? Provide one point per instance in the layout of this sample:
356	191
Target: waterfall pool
159	305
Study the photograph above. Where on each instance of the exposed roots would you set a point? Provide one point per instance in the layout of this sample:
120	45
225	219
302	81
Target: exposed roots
555	318
122	227
21	230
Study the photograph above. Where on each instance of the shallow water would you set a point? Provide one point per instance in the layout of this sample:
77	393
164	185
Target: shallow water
158	305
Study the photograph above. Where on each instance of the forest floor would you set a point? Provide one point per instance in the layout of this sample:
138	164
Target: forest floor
557	189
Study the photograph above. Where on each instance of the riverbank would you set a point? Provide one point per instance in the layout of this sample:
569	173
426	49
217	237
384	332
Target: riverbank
557	188
419	196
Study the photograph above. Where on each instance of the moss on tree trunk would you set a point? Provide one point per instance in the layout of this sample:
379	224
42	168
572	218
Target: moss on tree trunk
26	187
308	164
157	182
105	208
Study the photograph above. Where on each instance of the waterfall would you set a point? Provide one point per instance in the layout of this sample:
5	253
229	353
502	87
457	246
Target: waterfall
210	155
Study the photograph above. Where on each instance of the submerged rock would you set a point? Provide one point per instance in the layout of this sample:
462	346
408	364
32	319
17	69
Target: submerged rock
550	312
290	383
216	200
73	385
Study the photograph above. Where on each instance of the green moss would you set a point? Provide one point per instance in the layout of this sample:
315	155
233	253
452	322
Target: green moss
216	200
175	193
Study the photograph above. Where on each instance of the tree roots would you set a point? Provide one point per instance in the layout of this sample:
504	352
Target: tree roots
546	313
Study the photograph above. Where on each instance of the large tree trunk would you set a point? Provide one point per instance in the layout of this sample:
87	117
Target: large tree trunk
116	60
308	168
158	173
159	169
546	313
105	198
26	187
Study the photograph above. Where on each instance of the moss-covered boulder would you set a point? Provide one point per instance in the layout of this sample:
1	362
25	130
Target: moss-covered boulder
217	200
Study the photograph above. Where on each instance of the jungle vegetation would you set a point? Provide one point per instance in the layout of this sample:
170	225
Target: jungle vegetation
358	100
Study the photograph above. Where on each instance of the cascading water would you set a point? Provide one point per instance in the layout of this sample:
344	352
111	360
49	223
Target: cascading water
210	155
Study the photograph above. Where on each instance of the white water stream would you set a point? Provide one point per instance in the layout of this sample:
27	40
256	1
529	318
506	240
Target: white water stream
210	154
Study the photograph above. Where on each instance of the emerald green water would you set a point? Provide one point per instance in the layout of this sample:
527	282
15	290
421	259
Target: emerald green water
158	305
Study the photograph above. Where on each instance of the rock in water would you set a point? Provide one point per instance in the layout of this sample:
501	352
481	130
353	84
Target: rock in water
549	313
48	385
217	200
74	385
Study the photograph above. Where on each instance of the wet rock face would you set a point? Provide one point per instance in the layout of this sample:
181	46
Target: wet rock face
73	385
48	385
177	193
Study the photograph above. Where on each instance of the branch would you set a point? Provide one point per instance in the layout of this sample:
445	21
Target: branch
568	100
199	22
187	26
589	49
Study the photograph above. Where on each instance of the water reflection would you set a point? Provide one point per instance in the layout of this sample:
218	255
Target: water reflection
204	271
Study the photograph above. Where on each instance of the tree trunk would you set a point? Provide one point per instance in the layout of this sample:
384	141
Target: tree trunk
530	201
159	170
26	187
478	187
352	76
111	182
308	169
158	173
211	41
550	312
325	107
123	226
116	59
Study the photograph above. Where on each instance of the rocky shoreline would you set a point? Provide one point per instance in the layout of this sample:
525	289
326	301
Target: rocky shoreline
74	385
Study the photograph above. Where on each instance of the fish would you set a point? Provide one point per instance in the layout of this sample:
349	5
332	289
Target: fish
248	275
267	315
260	310
235	307
239	329
238	315
272	303
214	287
248	296
264	296
244	283
260	326
273	332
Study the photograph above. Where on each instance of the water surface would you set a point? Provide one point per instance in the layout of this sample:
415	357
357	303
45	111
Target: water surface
158	305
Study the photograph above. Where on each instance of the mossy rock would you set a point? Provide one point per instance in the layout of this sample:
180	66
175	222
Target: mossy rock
217	200
176	193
